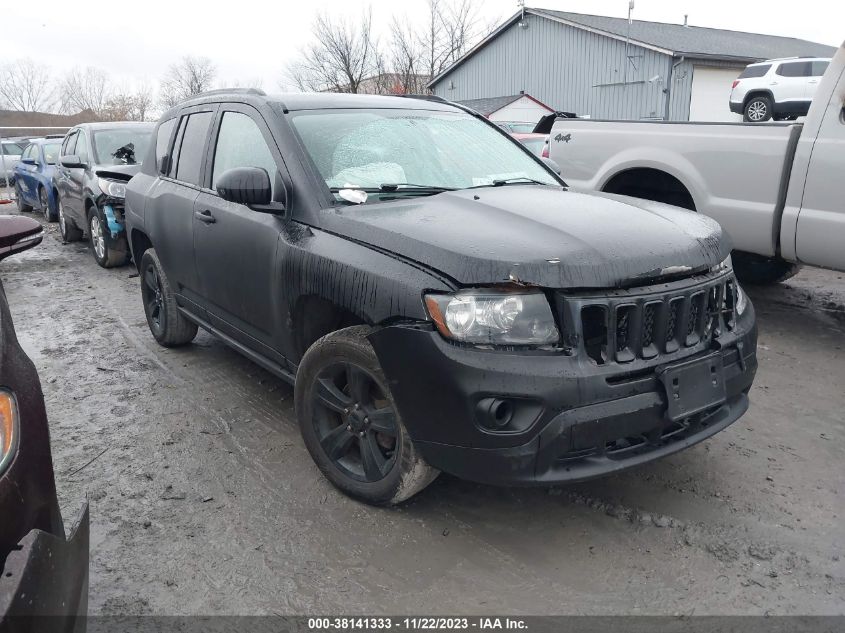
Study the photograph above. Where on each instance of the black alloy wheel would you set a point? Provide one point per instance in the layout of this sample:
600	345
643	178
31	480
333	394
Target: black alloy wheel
355	422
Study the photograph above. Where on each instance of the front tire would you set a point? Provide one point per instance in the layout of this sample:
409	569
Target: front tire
68	230
168	326
756	270
758	109
351	425
107	250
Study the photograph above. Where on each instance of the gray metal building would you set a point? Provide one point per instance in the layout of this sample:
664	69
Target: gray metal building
605	68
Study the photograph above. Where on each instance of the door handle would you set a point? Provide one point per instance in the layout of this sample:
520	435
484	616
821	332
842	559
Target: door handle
205	216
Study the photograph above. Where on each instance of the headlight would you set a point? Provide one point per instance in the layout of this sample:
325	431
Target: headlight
494	316
113	188
8	429
741	301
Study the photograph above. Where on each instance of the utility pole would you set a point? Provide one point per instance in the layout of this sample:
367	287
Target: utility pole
627	40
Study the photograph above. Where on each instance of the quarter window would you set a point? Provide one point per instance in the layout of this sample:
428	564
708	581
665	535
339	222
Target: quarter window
193	144
162	141
755	71
240	143
177	148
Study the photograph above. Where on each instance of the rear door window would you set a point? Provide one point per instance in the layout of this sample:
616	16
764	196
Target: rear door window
755	71
795	69
189	167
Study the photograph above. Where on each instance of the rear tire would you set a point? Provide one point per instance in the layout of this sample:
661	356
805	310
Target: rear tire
23	207
67	228
351	425
44	201
756	270
758	109
107	250
168	326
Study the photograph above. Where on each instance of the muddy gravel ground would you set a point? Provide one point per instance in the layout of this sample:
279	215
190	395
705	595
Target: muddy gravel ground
204	500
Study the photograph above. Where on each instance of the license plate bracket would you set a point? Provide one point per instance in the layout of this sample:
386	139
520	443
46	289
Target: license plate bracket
693	386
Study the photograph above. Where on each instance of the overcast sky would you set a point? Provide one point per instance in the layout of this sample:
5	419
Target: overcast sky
137	40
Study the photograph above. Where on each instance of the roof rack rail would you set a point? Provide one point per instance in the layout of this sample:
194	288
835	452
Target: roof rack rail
237	91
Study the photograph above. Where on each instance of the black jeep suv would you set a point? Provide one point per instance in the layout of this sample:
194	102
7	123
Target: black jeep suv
438	297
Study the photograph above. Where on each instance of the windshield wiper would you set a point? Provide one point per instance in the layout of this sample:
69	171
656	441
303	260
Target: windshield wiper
515	180
396	187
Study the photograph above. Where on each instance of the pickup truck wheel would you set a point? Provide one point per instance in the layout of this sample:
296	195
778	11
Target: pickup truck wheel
757	270
68	230
108	251
758	109
351	425
23	207
168	326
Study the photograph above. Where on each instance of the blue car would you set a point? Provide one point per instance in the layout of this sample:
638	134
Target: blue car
34	186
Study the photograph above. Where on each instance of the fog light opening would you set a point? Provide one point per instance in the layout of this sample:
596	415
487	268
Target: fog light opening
495	413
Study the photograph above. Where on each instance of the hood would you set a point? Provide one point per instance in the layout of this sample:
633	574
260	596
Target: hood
544	236
117	172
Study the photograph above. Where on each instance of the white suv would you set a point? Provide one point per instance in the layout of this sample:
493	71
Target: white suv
777	89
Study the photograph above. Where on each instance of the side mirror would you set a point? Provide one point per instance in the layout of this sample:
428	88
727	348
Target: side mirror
28	161
246	185
17	234
71	161
551	164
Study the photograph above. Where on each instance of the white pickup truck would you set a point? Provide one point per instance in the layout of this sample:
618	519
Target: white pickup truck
778	189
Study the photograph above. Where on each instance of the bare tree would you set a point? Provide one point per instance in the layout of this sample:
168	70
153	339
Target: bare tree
128	106
342	55
84	89
406	59
189	77
452	28
252	82
25	85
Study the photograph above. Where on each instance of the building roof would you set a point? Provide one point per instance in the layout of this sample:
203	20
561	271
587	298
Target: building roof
489	105
671	39
696	41
30	122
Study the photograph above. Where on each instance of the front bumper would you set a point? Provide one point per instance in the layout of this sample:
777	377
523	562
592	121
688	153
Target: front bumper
574	420
47	576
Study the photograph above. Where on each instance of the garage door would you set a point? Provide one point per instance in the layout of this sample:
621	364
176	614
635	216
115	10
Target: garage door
711	89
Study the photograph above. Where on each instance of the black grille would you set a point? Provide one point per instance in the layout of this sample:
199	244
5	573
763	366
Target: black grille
648	322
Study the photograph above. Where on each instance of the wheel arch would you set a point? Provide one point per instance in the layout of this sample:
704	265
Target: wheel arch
139	242
660	183
758	92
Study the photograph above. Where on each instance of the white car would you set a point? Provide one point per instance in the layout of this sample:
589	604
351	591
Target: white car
10	154
777	88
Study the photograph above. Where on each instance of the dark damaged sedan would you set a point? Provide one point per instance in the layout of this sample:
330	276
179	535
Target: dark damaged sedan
438	297
96	161
43	573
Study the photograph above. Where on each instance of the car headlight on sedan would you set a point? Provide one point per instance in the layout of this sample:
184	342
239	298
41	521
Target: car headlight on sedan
113	188
741	300
8	429
494	316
